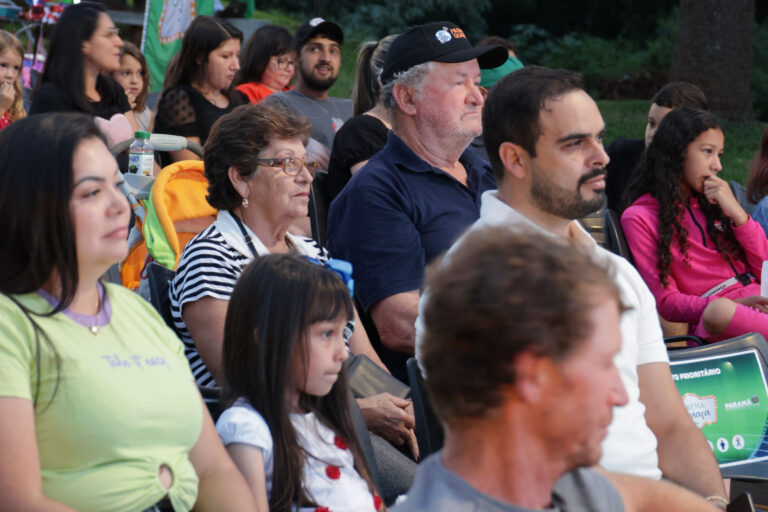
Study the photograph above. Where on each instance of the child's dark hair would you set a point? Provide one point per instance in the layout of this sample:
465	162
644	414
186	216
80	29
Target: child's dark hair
274	303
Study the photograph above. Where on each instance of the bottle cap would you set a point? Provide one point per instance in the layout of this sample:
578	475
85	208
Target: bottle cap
141	135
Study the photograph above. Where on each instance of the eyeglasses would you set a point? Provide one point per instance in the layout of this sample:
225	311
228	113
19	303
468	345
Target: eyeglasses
290	166
111	32
283	63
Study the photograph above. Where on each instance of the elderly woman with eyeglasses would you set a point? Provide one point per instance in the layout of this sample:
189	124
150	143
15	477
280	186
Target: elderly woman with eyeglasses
259	180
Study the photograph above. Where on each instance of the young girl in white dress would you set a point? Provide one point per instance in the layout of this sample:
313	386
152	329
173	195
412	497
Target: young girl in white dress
289	429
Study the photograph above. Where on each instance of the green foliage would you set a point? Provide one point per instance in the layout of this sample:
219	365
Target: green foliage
346	81
627	118
378	18
760	71
595	58
278	17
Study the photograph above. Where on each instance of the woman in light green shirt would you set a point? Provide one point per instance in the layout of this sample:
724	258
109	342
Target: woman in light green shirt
98	409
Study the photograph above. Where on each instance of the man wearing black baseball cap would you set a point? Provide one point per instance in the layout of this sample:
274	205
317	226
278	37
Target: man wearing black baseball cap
318	46
413	198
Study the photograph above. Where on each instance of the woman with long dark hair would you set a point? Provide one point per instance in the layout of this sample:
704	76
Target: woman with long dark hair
85	48
197	84
289	429
268	63
695	246
98	408
364	135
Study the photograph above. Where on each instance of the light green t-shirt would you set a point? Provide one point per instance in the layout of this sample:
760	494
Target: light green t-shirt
126	403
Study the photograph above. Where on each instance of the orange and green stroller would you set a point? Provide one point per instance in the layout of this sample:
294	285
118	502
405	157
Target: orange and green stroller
167	217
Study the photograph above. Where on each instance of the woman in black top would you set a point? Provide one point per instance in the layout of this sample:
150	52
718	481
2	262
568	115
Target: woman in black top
365	134
197	86
84	45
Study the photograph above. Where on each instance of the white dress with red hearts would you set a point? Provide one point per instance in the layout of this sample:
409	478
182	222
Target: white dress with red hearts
330	477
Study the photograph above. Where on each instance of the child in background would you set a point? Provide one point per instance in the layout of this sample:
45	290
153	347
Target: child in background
289	430
11	61
695	246
133	76
757	184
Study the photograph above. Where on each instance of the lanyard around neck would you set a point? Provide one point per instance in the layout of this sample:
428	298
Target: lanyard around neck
246	236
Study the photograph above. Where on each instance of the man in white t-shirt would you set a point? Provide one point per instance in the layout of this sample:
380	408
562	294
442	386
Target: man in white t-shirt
544	139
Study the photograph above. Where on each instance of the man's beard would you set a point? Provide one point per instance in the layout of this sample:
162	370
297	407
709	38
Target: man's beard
561	202
316	84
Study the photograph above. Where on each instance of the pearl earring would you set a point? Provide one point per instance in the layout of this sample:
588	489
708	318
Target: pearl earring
245	202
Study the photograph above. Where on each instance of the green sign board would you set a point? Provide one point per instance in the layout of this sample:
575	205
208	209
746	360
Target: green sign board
726	396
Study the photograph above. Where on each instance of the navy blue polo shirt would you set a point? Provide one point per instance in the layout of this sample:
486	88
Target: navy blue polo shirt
397	214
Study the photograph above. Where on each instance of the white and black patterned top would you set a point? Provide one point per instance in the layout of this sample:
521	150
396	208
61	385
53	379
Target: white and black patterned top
209	266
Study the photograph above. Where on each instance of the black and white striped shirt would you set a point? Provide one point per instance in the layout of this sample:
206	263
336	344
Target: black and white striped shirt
209	267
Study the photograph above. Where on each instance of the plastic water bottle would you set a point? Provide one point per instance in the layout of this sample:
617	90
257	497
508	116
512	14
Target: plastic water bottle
141	155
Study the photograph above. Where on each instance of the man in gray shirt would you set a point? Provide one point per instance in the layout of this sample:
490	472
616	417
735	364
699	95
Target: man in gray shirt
525	416
318	45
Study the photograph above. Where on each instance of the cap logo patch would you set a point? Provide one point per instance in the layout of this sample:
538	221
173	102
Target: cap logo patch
458	33
443	36
315	21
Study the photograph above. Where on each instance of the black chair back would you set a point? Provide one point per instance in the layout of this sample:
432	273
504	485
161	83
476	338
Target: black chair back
159	279
318	209
361	430
429	431
616	243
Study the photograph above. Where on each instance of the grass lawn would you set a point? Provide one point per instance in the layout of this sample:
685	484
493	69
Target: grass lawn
627	119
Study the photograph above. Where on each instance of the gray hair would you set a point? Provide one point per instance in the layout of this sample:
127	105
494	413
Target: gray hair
413	77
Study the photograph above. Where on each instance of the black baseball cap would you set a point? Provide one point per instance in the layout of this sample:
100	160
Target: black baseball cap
317	26
441	42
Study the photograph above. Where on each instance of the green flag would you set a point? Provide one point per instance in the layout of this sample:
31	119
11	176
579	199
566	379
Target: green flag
164	24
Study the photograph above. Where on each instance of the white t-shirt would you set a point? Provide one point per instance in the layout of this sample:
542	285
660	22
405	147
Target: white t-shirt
630	446
330	477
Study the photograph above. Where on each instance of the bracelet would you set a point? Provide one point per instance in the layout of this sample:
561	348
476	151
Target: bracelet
717	498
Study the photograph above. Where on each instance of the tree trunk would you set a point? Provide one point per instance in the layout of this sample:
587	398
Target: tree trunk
714	51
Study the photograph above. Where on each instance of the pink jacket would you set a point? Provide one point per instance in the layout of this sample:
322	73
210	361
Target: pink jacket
681	300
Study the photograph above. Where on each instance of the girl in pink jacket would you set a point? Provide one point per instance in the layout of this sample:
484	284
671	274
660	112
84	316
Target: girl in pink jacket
695	246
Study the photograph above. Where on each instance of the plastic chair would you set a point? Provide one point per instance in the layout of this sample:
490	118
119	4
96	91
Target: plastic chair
159	279
616	243
429	431
594	223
